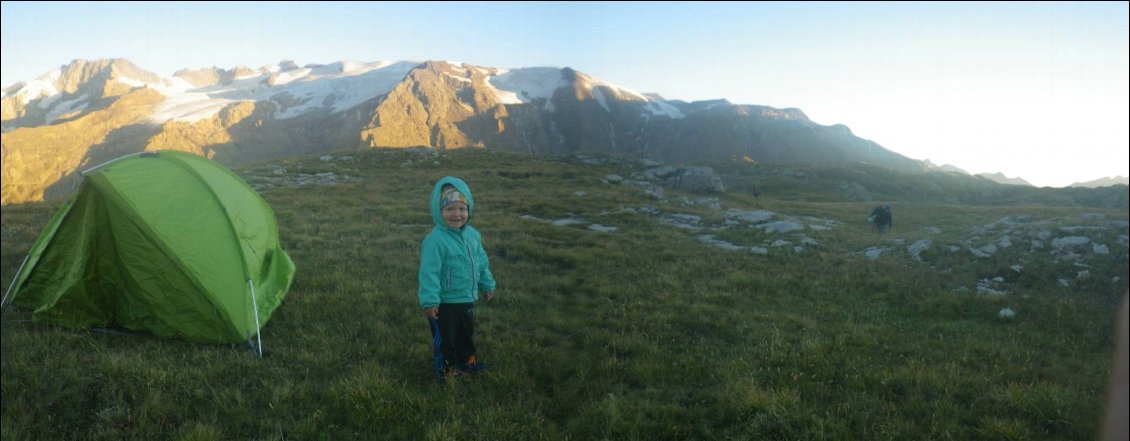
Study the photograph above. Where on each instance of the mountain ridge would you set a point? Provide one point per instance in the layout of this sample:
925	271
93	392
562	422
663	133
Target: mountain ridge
242	114
1106	181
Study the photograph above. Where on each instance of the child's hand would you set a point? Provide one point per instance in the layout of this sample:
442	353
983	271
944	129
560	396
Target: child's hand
489	295
431	313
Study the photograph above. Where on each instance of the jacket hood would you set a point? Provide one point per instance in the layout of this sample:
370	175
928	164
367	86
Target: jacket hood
437	214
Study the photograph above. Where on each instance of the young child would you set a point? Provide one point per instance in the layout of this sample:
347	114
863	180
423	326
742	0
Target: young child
453	271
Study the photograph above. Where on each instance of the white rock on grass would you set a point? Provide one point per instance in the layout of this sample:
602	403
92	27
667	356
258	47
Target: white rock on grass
915	249
709	239
602	229
566	222
781	227
873	253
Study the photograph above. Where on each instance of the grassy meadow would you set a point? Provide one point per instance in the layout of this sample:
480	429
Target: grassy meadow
646	332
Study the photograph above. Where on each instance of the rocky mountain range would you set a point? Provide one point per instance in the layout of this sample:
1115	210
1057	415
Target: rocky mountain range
89	112
1103	182
1000	178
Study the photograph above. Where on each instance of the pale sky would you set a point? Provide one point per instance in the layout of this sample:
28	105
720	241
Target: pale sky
1031	89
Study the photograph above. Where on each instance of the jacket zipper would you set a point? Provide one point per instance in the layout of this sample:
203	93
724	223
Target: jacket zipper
474	274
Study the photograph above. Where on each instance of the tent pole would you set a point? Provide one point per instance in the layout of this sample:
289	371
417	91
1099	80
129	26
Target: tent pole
4	301
255	306
84	172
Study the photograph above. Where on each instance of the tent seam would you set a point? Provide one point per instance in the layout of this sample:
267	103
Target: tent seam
227	217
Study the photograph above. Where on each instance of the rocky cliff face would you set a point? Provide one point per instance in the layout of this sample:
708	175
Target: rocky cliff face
44	162
91	111
435	105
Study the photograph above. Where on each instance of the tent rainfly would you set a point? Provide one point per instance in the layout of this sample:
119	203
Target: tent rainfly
165	242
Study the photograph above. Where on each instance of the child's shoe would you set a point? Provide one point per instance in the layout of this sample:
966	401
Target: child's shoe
475	366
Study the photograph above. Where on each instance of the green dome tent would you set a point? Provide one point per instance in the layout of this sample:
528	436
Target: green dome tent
165	242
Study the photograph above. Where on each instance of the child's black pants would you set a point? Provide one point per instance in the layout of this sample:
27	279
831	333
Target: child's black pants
457	331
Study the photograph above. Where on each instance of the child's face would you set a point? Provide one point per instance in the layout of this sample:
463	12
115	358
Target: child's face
455	214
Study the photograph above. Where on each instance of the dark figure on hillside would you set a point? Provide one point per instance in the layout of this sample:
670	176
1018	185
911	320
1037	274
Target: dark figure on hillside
880	218
755	191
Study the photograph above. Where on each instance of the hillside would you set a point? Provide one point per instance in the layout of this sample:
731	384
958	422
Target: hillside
635	300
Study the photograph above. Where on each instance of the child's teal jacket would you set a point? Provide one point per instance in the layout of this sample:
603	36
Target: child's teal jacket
453	263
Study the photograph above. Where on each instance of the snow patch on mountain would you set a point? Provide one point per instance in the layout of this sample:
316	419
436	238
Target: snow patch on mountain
42	87
334	87
652	105
525	85
521	86
77	104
